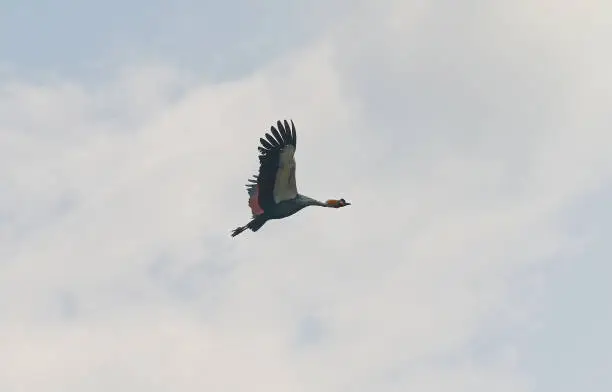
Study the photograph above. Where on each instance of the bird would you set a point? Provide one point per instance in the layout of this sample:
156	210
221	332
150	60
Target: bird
273	191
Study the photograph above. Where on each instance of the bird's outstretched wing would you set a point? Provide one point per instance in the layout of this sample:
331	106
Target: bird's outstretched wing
276	179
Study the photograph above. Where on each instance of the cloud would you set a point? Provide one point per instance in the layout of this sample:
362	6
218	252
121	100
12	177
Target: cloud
453	141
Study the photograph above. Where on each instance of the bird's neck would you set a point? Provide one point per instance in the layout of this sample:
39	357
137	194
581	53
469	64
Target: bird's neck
308	201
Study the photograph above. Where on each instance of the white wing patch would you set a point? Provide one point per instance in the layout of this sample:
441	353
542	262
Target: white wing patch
284	186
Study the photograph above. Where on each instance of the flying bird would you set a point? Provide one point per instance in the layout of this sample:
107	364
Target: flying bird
273	192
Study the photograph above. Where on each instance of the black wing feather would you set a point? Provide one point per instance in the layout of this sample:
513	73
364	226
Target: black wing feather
293	134
270	150
276	134
265	143
283	131
272	141
251	185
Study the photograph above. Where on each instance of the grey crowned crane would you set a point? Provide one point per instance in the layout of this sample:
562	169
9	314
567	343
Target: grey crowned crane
273	193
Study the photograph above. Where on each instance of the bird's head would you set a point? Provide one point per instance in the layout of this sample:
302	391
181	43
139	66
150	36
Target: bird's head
333	203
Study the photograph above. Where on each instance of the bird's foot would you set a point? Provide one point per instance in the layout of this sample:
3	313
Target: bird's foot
238	230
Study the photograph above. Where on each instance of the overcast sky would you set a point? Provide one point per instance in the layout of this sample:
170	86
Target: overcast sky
471	137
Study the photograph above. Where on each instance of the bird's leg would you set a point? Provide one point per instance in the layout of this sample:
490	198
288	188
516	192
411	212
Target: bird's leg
254	225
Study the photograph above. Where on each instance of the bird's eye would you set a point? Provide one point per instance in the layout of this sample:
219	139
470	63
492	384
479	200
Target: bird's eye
342	201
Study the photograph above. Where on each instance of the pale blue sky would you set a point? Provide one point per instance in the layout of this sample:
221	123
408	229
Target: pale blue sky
478	120
78	37
572	349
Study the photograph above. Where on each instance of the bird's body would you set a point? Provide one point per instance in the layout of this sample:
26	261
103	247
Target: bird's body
273	192
288	207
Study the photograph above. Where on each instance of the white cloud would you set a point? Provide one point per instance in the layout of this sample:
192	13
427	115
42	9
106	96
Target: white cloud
118	270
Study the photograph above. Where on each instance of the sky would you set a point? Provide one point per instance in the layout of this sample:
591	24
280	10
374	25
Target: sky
470	137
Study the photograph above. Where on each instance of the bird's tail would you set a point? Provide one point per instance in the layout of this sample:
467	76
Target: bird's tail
254	225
